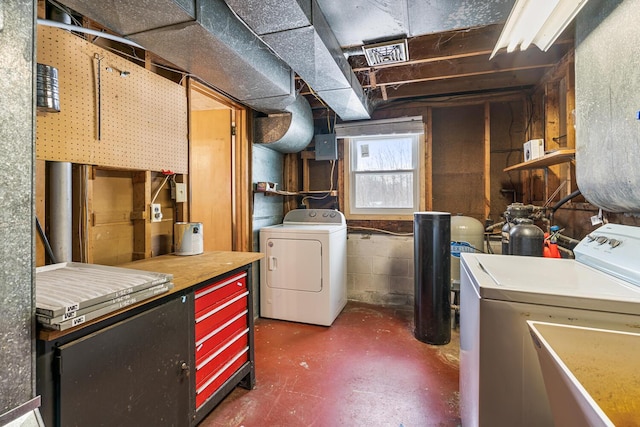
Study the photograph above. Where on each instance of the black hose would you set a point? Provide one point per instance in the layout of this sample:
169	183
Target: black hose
45	241
565	200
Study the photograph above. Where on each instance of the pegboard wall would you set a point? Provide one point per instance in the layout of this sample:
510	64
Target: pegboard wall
112	112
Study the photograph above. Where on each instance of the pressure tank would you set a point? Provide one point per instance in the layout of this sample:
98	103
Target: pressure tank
514	211
525	238
467	235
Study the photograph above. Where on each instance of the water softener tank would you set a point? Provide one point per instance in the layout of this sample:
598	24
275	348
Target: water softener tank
514	211
467	235
525	238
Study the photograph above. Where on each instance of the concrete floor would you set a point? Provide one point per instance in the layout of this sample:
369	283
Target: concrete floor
367	369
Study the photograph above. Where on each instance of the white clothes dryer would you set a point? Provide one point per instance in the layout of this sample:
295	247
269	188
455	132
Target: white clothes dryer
304	273
501	381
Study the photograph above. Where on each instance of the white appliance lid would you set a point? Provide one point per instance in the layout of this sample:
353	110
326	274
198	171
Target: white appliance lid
548	281
303	228
314	216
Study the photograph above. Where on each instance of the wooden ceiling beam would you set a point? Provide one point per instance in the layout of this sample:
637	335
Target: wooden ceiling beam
460	85
467	67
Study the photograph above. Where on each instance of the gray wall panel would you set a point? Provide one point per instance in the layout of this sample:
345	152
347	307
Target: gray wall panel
267	165
17	381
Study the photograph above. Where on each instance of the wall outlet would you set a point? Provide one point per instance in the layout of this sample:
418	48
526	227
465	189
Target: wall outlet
156	212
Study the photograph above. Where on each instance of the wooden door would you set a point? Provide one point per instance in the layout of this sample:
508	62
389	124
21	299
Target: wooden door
211	178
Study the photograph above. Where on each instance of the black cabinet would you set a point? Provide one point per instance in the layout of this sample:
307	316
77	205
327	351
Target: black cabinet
165	363
133	373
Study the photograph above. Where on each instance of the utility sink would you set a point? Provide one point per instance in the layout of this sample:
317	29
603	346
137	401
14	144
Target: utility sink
592	376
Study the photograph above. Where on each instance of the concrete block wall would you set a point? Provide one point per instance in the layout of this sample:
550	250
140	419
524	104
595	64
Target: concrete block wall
380	269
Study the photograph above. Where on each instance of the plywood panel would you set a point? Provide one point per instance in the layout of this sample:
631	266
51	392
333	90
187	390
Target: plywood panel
210	177
458	160
508	123
137	121
111	235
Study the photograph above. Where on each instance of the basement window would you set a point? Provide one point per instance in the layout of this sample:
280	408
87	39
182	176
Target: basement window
383	172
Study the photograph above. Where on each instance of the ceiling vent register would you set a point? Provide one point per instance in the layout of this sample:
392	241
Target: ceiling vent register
391	52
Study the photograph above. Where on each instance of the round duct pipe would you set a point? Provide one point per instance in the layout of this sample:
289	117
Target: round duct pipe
60	210
287	132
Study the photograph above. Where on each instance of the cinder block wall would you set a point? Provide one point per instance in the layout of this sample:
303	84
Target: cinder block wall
380	269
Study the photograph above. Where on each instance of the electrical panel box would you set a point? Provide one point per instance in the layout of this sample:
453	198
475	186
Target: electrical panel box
326	146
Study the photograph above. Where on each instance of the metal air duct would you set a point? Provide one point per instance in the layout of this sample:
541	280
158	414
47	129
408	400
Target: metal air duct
281	132
299	33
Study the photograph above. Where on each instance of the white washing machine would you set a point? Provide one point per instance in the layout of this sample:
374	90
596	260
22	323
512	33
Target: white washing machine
303	277
500	379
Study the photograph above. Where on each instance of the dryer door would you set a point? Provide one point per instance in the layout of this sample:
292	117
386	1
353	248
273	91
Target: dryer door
294	264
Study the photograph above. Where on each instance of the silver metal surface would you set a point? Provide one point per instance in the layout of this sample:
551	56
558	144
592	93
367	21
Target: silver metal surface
61	210
359	21
17	130
70	286
607	100
133	16
298	33
222	51
288	132
88	31
47	93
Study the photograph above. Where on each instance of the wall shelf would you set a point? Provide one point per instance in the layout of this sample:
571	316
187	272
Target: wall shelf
554	158
296	193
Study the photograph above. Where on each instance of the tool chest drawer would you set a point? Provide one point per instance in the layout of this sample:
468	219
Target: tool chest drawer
215	381
209	321
215	293
214	361
216	338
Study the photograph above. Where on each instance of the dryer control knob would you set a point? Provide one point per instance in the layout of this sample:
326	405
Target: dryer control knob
312	214
332	214
325	214
614	243
601	240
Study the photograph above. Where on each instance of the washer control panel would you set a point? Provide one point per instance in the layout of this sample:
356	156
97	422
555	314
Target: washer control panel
613	249
314	216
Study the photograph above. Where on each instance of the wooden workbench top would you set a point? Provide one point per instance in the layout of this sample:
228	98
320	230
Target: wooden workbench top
187	271
190	270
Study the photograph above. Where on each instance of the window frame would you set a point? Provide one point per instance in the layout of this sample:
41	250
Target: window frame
384	213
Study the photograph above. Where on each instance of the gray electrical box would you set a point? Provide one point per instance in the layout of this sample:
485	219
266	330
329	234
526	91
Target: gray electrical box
326	146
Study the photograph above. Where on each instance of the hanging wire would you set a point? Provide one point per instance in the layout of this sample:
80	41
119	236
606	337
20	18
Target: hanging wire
155	196
333	165
353	227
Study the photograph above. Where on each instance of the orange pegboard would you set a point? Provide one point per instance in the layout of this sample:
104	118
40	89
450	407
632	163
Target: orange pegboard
142	116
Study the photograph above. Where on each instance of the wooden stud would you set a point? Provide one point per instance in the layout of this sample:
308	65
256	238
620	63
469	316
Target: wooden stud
428	161
42	9
141	219
487	160
89	208
552	134
291	180
40	192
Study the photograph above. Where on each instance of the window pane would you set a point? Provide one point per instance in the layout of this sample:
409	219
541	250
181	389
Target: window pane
383	154
384	191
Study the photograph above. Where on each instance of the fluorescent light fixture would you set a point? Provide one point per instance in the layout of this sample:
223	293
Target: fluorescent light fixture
538	22
390	52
